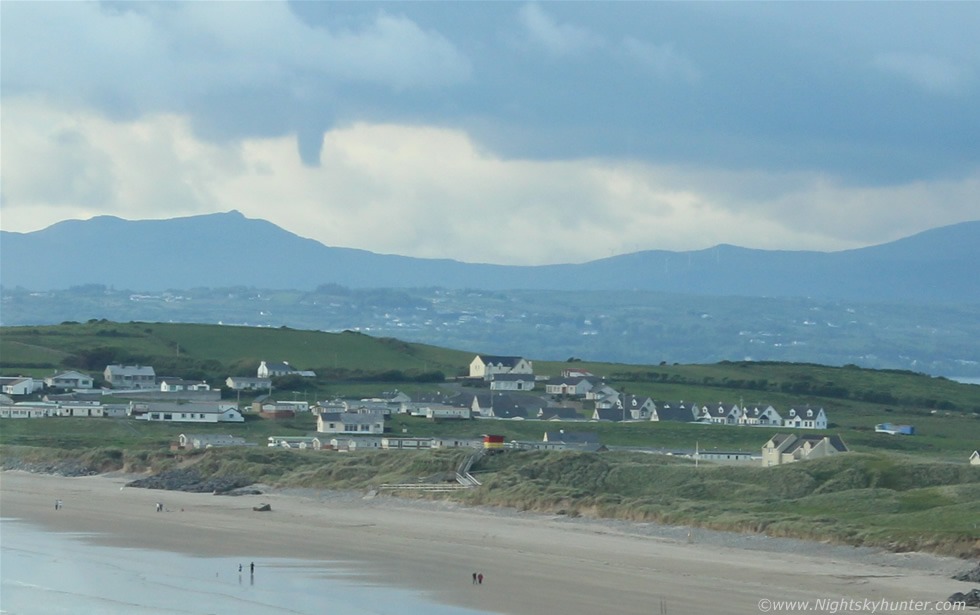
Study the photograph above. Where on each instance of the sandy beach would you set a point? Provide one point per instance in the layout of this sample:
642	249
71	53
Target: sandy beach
532	564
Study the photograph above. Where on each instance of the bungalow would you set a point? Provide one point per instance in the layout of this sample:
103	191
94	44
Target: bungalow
726	456
81	409
245	383
198	441
760	416
282	368
788	448
719	415
511	382
173	385
69	380
678	412
272	409
27	411
575	372
186	412
350	422
19	385
447	412
130	376
601	391
575	387
485	366
806	418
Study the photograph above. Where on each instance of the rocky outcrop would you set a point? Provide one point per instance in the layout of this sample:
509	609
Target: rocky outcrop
191	480
970	598
970	576
67	467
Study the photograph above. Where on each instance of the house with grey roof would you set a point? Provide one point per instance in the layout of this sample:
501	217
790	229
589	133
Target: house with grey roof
247	383
130	376
485	366
350	423
69	380
678	412
719	414
799	417
511	382
573	386
760	416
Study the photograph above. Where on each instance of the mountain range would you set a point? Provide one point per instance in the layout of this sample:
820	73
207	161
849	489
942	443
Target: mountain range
228	249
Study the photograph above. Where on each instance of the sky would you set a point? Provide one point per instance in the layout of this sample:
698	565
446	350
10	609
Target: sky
498	132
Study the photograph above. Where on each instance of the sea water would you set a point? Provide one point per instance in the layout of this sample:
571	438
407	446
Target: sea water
47	573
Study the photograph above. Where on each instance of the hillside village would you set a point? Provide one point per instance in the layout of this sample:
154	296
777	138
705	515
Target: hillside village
497	387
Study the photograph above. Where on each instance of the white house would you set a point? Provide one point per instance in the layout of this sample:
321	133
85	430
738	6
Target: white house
173	385
244	383
19	385
186	413
574	386
759	416
485	366
637	408
805	418
447	412
130	376
350	422
69	380
720	414
511	382
283	368
975	458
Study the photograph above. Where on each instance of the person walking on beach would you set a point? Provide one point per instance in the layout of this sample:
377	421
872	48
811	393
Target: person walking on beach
474	578
239	568
479	578
251	568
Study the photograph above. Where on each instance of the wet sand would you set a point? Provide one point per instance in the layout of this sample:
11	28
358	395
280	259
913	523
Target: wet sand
532	564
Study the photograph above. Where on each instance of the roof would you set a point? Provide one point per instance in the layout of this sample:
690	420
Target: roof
572	437
609	414
513	377
510	413
569	413
682	413
351	417
131	370
499	360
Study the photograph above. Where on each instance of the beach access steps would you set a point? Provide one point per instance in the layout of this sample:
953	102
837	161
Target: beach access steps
464	480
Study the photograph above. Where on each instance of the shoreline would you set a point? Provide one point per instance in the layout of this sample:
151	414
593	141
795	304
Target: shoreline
532	563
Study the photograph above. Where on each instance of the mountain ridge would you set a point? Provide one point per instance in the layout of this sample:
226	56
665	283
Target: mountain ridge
229	249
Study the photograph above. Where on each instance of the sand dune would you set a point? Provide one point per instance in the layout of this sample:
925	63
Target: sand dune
532	564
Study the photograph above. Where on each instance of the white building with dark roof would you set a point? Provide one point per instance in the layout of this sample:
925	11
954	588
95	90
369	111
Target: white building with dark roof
485	366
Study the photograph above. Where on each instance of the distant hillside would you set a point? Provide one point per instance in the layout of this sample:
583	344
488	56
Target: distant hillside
222	250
